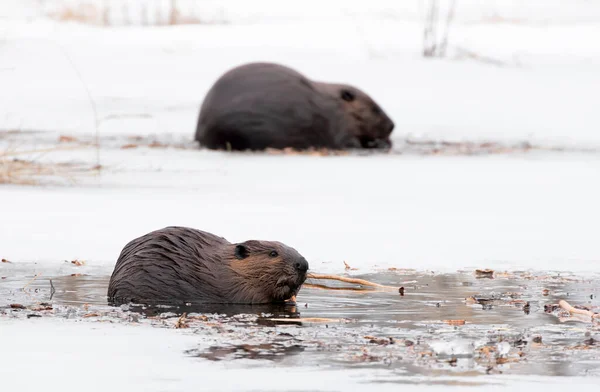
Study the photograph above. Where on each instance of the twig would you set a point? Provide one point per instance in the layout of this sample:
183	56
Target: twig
324	287
52	290
444	43
429	39
91	101
34	278
434	17
426	34
351	280
567	306
181	322
307	320
292	299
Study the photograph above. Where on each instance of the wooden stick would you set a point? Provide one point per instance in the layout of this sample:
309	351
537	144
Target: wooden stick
52	290
28	283
567	306
181	322
324	287
351	280
306	320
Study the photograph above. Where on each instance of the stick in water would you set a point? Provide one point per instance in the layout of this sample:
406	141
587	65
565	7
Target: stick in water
34	278
351	280
567	306
52	290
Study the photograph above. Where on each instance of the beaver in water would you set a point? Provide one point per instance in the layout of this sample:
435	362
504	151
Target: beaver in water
265	105
177	265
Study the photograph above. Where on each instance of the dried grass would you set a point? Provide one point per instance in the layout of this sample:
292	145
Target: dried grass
82	13
434	46
22	172
111	13
17	171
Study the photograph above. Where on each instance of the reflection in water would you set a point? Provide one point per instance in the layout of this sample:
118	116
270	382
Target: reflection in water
275	310
499	324
269	351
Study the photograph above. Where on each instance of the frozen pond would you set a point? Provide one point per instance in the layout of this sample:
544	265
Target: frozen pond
462	324
440	210
495	166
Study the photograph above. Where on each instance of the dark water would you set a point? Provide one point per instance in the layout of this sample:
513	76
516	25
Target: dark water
509	325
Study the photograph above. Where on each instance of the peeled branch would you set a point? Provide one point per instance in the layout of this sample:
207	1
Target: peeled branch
355	281
566	306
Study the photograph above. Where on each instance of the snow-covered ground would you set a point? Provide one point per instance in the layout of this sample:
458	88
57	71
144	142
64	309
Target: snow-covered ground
137	358
533	210
532	81
516	71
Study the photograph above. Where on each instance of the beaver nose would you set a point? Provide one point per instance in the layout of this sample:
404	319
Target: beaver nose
389	128
301	265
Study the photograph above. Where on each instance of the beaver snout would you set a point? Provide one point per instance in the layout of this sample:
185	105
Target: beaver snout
301	265
388	128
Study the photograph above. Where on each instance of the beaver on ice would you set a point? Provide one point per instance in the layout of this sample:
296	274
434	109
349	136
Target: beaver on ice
178	265
265	105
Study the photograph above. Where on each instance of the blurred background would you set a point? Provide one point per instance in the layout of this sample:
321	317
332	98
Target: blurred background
495	147
502	70
495	165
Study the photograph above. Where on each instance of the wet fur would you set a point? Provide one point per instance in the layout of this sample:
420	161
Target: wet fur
265	105
182	265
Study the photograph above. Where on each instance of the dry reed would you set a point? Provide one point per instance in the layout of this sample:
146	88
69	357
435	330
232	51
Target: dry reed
17	171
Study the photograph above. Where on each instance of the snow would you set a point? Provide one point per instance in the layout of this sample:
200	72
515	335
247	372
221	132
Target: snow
509	211
135	12
443	213
516	71
69	357
542	88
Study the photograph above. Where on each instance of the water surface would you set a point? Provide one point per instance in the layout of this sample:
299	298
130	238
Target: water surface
444	324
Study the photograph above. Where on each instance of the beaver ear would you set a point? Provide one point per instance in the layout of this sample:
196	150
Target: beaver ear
241	252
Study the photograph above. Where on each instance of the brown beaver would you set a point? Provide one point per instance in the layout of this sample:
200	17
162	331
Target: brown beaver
264	105
177	265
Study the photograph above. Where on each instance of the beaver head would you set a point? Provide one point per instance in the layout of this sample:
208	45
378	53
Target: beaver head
370	123
365	120
264	271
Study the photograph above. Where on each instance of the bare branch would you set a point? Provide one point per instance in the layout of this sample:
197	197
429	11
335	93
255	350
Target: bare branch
444	43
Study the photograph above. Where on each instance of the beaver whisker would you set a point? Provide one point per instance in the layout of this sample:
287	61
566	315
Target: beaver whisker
286	280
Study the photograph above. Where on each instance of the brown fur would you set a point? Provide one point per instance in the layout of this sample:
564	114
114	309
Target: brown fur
182	265
264	105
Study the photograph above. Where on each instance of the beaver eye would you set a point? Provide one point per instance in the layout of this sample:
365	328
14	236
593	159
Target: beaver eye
376	110
347	96
273	253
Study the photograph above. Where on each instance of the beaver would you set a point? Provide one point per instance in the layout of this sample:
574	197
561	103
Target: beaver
178	265
265	105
